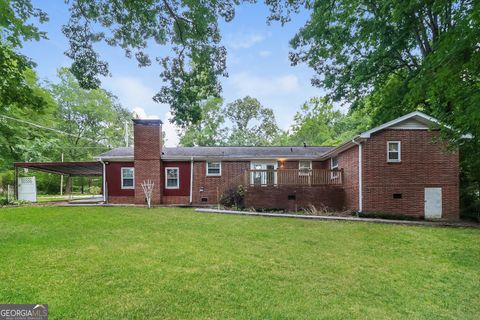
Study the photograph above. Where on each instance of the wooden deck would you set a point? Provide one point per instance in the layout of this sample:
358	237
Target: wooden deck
293	177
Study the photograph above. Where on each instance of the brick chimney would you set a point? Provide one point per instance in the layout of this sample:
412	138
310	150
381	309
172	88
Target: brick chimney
147	146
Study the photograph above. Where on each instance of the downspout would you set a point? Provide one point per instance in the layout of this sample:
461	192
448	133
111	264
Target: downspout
191	179
104	180
360	177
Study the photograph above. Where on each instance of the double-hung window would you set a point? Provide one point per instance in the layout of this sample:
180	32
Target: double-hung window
172	180
214	168
304	167
334	167
128	178
393	151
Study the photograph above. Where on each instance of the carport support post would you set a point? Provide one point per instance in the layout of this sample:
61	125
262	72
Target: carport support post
61	181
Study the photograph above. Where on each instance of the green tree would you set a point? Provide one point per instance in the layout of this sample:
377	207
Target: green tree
20	141
209	131
404	56
318	123
92	119
17	26
188	28
187	32
244	122
252	123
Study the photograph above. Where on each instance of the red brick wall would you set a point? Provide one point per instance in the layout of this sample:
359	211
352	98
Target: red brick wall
289	165
147	150
424	163
173	200
277	197
348	161
293	164
114	179
320	164
206	187
184	176
121	199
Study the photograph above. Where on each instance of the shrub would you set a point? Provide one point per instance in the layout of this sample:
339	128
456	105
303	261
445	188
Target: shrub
233	197
95	190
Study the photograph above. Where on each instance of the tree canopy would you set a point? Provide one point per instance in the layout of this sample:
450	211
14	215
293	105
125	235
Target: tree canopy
319	123
252	123
77	122
16	26
210	130
243	122
402	56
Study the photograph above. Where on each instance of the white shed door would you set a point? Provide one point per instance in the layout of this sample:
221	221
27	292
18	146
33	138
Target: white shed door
433	203
27	189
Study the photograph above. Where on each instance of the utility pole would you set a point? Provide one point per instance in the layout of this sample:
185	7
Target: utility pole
126	133
61	181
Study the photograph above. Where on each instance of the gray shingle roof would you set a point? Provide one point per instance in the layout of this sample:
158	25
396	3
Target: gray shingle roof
227	152
117	152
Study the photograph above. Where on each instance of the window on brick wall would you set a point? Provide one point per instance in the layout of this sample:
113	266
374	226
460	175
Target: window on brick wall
214	168
334	167
172	180
304	167
393	151
128	178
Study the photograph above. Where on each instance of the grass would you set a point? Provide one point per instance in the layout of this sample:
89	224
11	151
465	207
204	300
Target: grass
111	263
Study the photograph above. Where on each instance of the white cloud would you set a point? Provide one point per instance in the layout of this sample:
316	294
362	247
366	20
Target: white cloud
249	84
141	114
131	91
171	131
244	40
264	53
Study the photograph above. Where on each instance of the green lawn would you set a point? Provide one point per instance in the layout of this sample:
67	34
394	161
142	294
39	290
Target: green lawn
110	263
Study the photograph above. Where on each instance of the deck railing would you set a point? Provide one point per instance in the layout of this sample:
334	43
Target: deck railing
293	177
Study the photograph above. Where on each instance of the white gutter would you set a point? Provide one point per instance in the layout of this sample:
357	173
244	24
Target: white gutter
360	178
104	180
191	179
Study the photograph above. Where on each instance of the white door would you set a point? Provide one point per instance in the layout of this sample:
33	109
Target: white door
27	189
433	203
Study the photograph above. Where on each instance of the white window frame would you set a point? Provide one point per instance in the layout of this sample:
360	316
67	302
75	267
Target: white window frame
334	174
214	174
263	177
178	178
133	178
303	171
399	151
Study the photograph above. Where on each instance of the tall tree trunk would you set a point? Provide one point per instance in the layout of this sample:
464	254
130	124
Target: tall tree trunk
68	186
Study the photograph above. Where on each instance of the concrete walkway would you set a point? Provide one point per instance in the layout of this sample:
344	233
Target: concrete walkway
457	224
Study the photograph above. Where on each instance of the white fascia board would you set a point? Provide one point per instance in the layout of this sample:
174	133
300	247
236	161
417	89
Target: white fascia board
426	118
344	146
112	158
419	114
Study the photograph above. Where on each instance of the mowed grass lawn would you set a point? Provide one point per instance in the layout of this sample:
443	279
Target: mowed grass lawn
169	263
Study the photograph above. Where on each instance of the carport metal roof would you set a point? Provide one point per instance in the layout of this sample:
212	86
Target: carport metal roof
74	169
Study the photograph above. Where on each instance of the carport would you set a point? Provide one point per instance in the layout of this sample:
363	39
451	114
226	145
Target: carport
69	169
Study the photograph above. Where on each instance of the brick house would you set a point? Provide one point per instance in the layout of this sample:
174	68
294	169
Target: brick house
400	167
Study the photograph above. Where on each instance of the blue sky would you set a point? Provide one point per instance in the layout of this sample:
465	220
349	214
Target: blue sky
257	62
